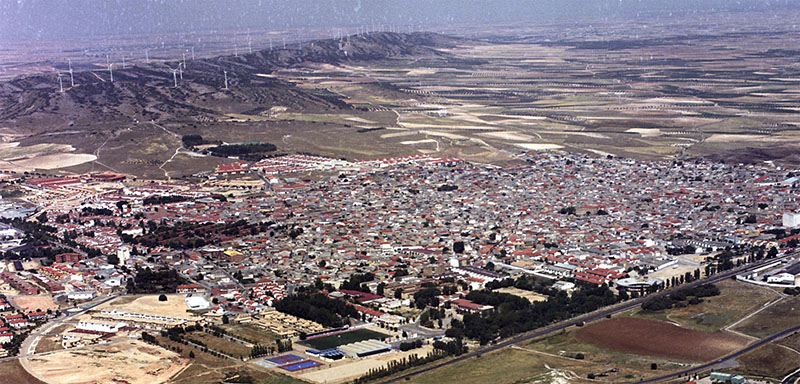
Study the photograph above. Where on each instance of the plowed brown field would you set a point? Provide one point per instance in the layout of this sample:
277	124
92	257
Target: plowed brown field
658	338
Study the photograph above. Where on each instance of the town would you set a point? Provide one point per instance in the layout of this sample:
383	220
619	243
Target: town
331	271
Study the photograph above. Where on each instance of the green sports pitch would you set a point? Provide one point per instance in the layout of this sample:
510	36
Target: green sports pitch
333	341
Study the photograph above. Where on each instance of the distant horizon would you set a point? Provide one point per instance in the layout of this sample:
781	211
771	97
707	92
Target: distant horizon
50	20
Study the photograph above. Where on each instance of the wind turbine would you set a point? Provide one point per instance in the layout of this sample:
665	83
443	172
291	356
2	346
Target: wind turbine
60	84
123	61
147	55
175	76
71	79
235	50
192	53
284	43
184	59
180	70
270	44
249	46
111	71
226	79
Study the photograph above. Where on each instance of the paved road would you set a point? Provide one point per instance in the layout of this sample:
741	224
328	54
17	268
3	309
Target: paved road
792	378
420	330
592	316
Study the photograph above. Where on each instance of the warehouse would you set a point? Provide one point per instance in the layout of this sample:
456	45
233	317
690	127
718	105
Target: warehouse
364	348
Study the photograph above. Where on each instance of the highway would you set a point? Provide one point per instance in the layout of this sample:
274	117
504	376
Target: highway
601	313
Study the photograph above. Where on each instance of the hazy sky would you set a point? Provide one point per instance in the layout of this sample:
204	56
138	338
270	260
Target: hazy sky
48	19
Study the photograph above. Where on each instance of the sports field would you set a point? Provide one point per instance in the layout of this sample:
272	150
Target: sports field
333	341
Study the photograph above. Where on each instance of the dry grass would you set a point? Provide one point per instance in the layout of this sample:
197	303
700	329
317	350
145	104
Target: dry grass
219	344
205	368
134	361
531	296
771	361
13	373
34	303
735	301
506	366
173	307
249	333
773	319
48	344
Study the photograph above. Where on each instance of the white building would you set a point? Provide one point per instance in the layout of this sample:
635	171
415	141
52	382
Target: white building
123	254
791	220
82	295
100	327
781	278
197	303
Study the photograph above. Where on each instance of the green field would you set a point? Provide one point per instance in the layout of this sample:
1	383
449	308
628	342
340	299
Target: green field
334	341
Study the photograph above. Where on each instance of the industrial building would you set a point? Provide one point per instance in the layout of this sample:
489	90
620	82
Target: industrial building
364	348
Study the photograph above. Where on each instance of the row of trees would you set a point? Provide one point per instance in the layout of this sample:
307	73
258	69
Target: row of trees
513	314
692	296
242	149
317	307
149	281
158	200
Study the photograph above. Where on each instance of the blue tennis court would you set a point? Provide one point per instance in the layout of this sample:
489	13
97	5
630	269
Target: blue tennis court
301	365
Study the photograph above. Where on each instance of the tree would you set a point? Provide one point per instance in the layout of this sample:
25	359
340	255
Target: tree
162	297
191	354
380	289
458	247
113	259
398	293
773	253
225	319
654	366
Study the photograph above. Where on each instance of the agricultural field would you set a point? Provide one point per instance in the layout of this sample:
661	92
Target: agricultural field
599	359
646	337
333	341
487	98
